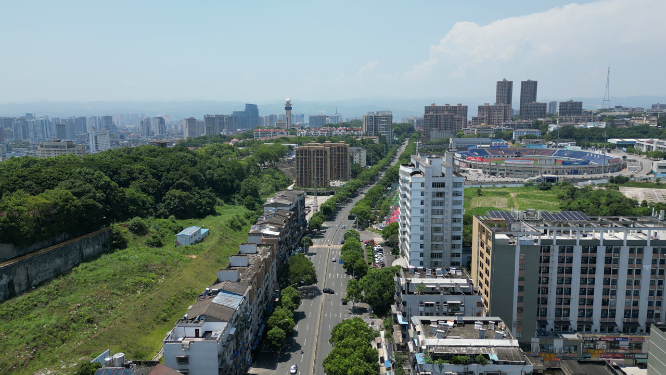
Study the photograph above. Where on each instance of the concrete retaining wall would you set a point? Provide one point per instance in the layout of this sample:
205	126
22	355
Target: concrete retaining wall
21	274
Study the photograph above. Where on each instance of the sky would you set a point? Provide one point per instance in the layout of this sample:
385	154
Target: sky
335	50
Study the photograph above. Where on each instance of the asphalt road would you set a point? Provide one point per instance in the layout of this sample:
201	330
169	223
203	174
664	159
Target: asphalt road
319	312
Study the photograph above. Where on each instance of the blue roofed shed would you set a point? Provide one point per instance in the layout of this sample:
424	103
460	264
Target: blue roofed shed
191	235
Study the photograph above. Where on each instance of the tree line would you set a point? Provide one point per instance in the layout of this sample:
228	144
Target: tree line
74	195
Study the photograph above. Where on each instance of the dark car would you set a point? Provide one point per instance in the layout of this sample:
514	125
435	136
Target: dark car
328	290
342	242
344	301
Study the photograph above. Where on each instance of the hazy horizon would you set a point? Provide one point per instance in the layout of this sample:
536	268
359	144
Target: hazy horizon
75	51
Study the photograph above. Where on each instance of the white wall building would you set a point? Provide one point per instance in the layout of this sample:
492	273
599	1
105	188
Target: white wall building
191	235
99	140
431	213
518	132
358	155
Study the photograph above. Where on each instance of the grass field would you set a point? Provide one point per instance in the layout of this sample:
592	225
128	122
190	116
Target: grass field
509	198
124	300
649	185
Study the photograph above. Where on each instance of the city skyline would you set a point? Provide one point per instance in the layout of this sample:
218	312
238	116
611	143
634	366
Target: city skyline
466	48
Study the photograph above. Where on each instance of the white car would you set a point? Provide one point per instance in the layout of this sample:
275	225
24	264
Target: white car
293	369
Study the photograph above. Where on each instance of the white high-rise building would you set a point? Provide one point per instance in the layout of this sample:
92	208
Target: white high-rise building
431	213
99	140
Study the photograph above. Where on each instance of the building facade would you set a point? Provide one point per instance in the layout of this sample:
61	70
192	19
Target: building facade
431	213
528	94
319	163
552	107
657	353
57	148
99	140
570	109
495	115
145	128
444	121
379	123
358	155
504	92
190	127
317	121
533	111
544	272
159	125
522	132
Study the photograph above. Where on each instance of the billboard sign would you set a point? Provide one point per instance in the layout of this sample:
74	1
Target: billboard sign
519	162
579	162
474	158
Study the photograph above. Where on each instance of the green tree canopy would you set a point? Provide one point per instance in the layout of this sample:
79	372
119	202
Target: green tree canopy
282	318
276	338
351	233
351	328
306	242
290	298
300	268
379	287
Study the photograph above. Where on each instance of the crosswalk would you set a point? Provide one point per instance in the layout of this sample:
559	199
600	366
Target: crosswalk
324	247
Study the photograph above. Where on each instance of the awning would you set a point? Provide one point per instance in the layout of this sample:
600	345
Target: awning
641	360
544	322
256	342
401	321
608	324
631	324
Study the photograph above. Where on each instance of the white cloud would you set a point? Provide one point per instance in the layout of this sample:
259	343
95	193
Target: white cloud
366	68
570	40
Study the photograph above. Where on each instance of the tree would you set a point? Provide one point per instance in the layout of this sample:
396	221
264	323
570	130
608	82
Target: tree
300	269
390	230
354	291
544	186
88	368
290	298
460	360
356	169
306	242
421	288
481	359
362	212
351	328
479	192
351	233
379	287
315	224
276	338
282	318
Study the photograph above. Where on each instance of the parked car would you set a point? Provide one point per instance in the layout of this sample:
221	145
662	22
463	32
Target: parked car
344	301
342	241
328	290
343	226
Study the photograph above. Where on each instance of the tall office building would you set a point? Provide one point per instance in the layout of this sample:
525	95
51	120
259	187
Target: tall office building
570	109
379	123
160	126
20	129
252	113
552	107
241	120
99	140
504	92
317	121
145	129
39	129
495	115
272	119
91	122
287	112
190	127
106	122
319	163
61	130
444	121
219	124
298	118
544	271
431	213
528	94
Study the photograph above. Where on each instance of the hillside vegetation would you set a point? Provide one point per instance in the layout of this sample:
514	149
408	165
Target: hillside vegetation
126	300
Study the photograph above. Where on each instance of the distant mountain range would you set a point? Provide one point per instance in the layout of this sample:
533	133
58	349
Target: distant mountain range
347	108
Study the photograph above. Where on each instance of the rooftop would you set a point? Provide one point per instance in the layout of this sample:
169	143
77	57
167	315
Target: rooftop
437	280
189	231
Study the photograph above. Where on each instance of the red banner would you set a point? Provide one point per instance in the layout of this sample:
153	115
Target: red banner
474	158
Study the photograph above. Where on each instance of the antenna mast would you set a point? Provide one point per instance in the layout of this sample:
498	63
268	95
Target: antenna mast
607	94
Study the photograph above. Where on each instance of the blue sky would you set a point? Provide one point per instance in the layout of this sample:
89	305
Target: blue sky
314	50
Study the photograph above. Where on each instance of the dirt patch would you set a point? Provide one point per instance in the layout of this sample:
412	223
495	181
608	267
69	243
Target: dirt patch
515	201
496	202
191	256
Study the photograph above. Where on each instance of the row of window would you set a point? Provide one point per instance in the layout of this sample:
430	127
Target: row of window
608	249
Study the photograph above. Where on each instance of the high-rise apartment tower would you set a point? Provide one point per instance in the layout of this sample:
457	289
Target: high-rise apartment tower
504	92
528	94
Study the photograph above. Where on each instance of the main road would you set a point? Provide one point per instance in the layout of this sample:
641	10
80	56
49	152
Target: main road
320	312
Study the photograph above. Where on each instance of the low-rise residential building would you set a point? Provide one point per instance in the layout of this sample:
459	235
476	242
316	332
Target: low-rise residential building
270	133
487	343
57	148
358	155
435	292
191	235
521	132
330	132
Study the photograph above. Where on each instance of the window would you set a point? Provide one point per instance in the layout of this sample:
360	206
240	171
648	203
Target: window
437	203
457	212
438	194
183	359
457	184
436	255
439	184
437	212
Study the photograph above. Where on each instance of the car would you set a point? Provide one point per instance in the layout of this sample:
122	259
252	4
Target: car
342	242
343	226
293	369
334	260
344	301
328	290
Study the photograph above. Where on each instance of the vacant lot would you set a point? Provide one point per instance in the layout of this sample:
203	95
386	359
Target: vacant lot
124	300
514	198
